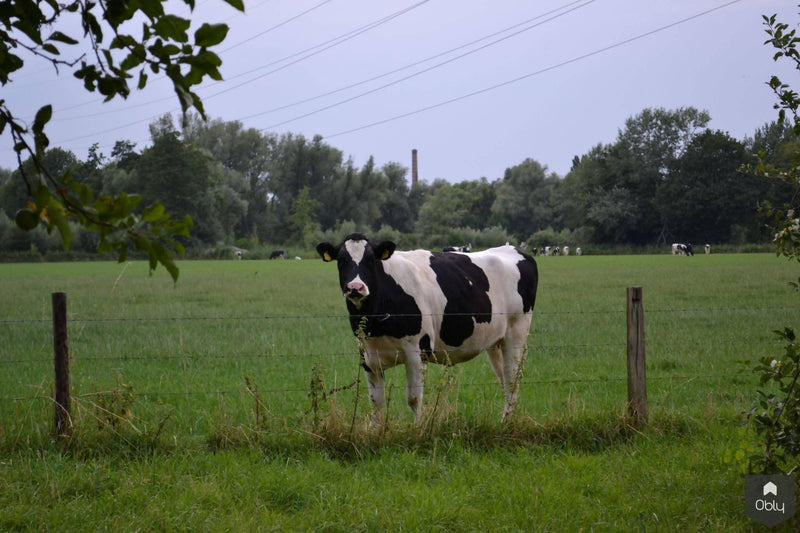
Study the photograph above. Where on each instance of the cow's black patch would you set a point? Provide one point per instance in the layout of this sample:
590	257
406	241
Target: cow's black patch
393	313
466	288
528	281
425	350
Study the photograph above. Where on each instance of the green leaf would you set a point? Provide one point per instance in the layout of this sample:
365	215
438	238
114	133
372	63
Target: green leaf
91	25
210	34
132	61
51	48
172	27
152	8
161	255
238	4
124	41
55	213
62	38
42	117
42	197
153	213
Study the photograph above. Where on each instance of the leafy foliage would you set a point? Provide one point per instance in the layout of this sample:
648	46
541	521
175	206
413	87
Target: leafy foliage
776	418
163	46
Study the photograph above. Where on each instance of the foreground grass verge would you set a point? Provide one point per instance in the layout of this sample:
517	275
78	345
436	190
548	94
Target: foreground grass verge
561	475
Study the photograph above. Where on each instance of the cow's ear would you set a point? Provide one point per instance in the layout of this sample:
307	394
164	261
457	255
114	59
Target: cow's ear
385	250
327	251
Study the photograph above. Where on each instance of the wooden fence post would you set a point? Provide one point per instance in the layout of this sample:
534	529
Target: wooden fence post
637	380
61	363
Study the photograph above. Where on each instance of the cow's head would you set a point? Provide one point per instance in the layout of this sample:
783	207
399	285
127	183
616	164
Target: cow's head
359	264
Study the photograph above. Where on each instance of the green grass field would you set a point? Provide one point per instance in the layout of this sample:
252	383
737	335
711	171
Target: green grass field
193	405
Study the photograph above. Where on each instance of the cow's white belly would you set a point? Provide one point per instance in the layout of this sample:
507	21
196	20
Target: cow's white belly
387	352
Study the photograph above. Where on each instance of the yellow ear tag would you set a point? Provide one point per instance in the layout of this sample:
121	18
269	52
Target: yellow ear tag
326	256
385	255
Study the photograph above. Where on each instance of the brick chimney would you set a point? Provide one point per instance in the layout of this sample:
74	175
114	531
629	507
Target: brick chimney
414	169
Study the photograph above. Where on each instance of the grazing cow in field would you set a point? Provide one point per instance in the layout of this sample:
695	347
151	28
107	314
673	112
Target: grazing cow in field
565	251
277	254
578	251
466	248
708	249
682	249
546	250
414	307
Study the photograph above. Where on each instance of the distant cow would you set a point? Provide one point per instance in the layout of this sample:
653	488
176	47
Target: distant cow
413	307
466	248
277	254
565	250
708	249
682	249
578	251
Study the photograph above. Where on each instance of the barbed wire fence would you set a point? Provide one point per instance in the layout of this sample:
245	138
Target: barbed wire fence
635	349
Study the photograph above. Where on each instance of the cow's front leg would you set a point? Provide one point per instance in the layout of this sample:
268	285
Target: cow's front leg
415	385
377	393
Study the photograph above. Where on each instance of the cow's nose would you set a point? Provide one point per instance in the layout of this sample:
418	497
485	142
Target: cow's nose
356	289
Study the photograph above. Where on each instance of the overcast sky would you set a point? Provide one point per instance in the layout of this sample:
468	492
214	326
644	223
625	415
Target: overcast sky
475	86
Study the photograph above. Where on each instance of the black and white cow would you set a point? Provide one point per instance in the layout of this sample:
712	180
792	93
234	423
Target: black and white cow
466	248
413	307
682	249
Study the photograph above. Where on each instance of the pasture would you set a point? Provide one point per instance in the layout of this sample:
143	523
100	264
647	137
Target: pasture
233	400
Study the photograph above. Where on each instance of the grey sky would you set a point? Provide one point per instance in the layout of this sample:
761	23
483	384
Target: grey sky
475	86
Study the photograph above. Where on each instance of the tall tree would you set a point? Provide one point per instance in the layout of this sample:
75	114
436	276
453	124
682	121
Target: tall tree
523	203
396	209
706	195
355	195
177	173
653	140
617	183
245	151
295	164
443	211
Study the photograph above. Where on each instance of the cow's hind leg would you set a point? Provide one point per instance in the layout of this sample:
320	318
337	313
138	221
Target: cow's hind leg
514	354
495	354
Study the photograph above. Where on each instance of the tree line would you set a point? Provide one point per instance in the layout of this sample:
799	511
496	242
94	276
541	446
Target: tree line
667	177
